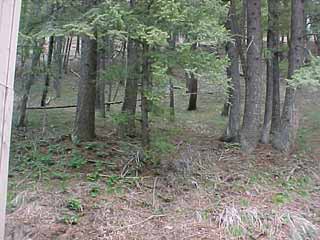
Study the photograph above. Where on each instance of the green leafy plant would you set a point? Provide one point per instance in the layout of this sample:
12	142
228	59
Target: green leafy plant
280	198
113	183
71	219
75	205
77	160
95	191
93	177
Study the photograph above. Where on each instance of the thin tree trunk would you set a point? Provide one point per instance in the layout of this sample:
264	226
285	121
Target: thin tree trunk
77	52
124	62
232	130
241	38
193	92
272	105
23	100
172	46
131	89
105	53
290	119
145	89
58	65
193	87
67	55
226	105
84	128
100	96
48	72
265	136
65	50
250	132
276	103
110	82
172	108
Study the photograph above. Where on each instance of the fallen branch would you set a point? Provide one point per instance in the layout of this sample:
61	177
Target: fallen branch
67	106
139	223
75	73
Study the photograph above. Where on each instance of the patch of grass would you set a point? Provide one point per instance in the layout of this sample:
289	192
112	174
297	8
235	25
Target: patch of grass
58	149
92	146
60	175
113	183
281	198
77	161
95	191
71	219
93	177
75	205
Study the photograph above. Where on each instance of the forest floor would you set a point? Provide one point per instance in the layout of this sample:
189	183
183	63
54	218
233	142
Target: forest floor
188	186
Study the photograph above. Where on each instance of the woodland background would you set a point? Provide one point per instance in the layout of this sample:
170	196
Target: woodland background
166	119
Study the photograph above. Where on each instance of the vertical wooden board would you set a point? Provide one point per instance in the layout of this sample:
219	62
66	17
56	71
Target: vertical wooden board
9	25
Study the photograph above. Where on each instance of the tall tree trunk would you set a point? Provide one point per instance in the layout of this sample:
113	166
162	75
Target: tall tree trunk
58	65
48	72
265	136
290	119
131	89
193	91
21	120
145	90
250	132
105	55
171	105
172	47
275	57
100	95
272	105
109	60
84	128
193	87
67	55
241	38
77	52
232	130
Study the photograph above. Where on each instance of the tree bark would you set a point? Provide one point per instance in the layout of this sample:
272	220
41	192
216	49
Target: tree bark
193	86
193	91
250	132
290	119
172	47
275	58
272	105
58	65
84	129
131	89
48	72
21	109
67	55
100	91
77	52
145	89
232	130
241	38
104	59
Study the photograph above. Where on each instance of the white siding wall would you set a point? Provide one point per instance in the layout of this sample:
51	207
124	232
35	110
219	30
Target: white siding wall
9	24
